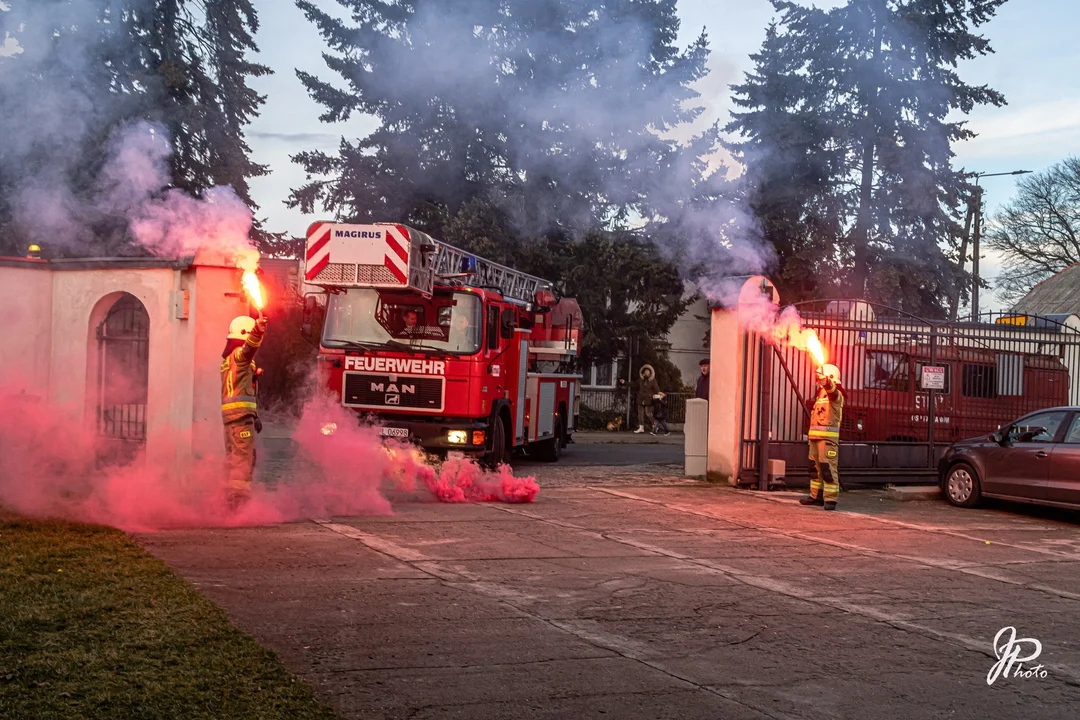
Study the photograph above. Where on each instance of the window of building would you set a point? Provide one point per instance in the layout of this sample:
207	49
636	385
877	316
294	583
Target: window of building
600	375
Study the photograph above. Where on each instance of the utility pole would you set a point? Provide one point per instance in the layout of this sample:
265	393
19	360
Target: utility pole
976	235
954	305
976	209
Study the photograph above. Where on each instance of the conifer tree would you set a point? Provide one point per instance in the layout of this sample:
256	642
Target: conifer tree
76	70
878	80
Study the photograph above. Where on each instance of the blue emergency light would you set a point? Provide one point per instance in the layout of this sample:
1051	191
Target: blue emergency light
468	264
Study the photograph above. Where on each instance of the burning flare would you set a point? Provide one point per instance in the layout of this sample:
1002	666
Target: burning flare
253	289
813	346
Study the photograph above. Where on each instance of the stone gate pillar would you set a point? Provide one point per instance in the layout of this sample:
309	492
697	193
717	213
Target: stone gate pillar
734	377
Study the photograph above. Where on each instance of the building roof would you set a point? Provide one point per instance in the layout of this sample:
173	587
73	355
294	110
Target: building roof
97	263
1057	295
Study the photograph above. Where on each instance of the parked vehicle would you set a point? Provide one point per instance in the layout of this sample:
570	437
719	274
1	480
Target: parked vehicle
1035	459
443	348
982	390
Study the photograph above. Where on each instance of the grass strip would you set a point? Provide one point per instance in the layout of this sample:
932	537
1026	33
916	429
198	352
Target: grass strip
92	626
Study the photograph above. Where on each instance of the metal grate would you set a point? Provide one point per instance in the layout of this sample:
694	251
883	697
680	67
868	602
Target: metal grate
364	390
123	371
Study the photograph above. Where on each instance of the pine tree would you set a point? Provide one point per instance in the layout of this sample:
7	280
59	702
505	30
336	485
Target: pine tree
88	67
879	81
556	105
791	153
530	132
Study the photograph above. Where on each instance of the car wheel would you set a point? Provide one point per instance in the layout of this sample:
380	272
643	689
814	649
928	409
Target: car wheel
962	486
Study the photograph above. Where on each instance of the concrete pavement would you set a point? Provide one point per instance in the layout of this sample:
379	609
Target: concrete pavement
631	595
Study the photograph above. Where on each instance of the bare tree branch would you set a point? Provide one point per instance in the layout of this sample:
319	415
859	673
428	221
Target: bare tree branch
1038	233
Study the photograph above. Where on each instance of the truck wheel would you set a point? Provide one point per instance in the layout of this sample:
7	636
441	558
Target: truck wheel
497	456
552	449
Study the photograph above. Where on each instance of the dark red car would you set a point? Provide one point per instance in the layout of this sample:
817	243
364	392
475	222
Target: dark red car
1035	459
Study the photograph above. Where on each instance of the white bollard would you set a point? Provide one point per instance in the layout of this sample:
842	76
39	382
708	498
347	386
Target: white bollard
696	434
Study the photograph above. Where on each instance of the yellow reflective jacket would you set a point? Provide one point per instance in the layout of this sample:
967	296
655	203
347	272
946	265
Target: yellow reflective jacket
827	412
238	372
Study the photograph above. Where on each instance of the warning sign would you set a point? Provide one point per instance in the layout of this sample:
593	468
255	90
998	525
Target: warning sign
933	377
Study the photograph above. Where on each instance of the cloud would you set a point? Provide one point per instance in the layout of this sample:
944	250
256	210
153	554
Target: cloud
297	138
1041	130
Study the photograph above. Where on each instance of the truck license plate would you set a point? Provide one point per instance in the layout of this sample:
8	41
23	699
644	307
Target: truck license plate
394	432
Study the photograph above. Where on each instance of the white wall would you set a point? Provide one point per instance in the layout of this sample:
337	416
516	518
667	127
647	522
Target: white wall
50	317
687	336
25	306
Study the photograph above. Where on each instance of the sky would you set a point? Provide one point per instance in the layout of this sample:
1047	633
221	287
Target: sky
1035	65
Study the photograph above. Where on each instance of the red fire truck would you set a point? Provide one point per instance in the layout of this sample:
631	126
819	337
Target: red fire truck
441	347
977	391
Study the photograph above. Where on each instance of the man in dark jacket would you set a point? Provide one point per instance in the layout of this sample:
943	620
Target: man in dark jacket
702	391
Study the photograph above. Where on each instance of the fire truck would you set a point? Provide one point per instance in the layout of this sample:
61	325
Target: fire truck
979	390
442	348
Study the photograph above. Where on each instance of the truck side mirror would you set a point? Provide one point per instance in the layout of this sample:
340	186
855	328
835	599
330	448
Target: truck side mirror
310	319
506	325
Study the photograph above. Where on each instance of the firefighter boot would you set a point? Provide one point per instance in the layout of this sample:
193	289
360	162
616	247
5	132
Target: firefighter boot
816	496
830	505
236	502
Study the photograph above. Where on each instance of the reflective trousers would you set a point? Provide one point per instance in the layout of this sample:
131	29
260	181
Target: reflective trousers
824	455
240	456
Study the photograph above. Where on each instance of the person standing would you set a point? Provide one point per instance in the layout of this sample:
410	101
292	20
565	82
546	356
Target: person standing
239	405
702	391
824	437
659	410
647	387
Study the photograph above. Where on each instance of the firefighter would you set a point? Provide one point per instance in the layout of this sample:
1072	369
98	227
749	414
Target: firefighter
239	407
824	439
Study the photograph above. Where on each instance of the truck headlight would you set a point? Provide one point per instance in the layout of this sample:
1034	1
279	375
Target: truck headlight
859	425
457	437
329	428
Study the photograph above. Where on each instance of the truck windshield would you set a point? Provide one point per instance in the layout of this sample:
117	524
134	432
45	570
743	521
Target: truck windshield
448	322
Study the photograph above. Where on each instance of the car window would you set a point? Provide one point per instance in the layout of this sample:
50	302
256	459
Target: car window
1044	426
1073	436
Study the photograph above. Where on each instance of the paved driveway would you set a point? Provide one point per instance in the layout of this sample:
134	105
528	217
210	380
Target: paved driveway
636	596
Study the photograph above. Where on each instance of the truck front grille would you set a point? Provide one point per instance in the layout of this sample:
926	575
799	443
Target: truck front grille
377	392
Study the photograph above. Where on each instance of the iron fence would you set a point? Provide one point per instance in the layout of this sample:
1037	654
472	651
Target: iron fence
911	386
613	401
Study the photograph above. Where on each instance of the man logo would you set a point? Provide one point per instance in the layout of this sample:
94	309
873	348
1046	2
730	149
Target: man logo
392	399
393	388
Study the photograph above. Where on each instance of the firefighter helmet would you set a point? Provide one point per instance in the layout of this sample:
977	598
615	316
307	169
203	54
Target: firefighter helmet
240	327
831	371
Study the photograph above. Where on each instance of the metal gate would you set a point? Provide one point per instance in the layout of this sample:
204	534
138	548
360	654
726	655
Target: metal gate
911	386
123	374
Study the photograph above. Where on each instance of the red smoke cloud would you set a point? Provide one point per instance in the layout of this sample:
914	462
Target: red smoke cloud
49	467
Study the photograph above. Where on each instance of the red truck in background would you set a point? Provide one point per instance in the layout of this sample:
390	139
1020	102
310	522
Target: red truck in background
983	389
443	348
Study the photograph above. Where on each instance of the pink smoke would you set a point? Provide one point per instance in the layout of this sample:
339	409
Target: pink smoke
50	467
